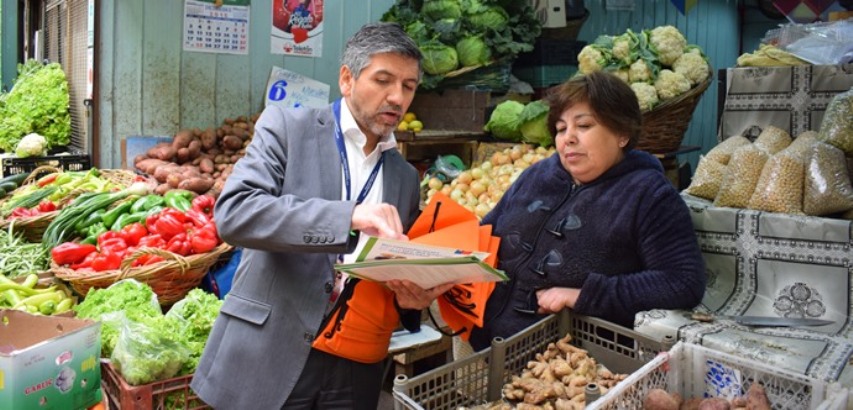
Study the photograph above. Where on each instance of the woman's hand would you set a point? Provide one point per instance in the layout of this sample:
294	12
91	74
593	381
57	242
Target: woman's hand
553	300
412	296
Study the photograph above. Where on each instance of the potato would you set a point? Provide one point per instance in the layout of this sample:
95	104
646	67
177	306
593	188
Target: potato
714	403
208	139
194	148
220	159
756	398
214	152
692	404
162	189
173	180
182	139
149	165
205	165
197	185
183	155
231	142
659	399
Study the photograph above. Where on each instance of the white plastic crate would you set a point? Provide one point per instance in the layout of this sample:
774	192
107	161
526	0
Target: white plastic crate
479	378
695	371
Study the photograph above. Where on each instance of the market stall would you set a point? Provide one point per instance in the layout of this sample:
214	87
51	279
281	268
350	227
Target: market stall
121	261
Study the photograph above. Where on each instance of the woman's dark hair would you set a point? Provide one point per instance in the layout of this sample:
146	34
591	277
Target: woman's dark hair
612	101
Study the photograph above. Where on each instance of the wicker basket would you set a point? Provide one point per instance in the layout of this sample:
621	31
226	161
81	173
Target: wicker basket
664	126
170	279
33	227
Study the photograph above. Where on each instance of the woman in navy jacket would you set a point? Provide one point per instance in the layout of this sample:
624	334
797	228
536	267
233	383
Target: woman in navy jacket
597	227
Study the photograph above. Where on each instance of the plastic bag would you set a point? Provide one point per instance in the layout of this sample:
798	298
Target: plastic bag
446	168
741	176
707	179
827	187
837	125
722	152
773	139
780	186
149	348
802	145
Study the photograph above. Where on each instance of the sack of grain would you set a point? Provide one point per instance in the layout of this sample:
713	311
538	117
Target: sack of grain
722	152
707	178
827	187
741	176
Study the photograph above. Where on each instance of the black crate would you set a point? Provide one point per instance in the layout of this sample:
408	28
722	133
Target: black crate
547	51
67	162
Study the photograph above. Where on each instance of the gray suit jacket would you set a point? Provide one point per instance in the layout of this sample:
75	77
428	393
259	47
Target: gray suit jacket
283	205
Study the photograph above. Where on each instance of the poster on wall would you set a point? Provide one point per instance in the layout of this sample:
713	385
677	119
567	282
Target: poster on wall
297	27
292	90
216	26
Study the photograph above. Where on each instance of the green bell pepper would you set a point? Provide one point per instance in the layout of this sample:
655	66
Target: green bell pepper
94	232
82	227
112	215
147	202
127	219
179	199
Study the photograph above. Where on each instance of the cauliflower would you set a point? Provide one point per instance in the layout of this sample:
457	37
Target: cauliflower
647	95
670	84
640	71
32	145
668	42
622	73
625	48
592	59
692	66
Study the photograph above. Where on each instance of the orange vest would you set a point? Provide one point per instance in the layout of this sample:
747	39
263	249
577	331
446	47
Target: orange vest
360	324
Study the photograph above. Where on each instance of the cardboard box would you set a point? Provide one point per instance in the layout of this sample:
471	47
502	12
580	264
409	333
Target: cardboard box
791	98
49	362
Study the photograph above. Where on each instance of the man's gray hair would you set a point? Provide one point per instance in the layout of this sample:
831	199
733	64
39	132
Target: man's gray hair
378	38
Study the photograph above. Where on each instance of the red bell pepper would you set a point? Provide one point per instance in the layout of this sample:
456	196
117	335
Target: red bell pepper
115	246
169	223
107	235
21	212
86	263
46	206
70	253
179	244
204	239
133	233
150	241
106	261
196	217
204	204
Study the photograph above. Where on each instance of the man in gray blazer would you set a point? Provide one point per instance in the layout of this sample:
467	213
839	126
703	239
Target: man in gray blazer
311	180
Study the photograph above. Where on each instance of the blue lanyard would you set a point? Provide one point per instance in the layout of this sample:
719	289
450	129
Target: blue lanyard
342	150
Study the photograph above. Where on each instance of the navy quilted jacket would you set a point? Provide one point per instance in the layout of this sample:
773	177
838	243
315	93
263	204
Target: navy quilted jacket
626	240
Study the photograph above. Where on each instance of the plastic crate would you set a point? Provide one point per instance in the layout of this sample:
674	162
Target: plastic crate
545	75
174	393
71	162
549	51
479	378
696	371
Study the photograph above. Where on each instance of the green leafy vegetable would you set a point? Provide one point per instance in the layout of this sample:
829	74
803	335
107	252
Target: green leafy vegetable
534	124
37	103
504	121
439	58
473	51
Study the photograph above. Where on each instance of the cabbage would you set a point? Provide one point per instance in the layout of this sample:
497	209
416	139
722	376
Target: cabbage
439	58
490	17
442	9
447	30
473	51
534	124
504	121
417	30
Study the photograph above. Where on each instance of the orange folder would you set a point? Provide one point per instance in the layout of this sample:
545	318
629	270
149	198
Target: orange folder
446	223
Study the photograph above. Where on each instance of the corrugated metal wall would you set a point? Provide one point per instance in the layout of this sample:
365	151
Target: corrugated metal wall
150	86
